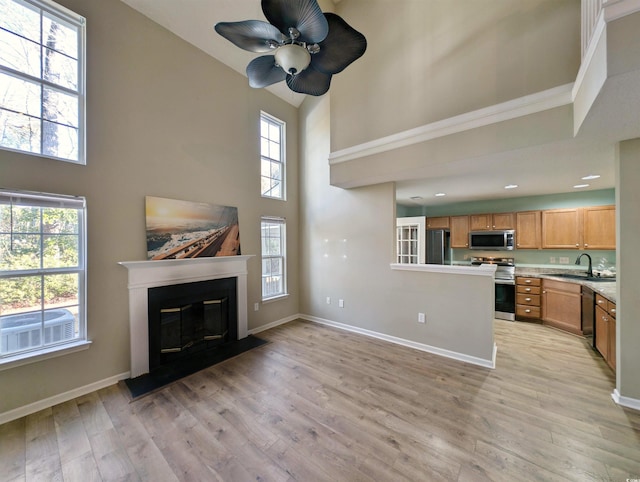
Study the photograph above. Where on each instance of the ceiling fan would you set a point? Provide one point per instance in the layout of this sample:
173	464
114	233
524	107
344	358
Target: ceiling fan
308	46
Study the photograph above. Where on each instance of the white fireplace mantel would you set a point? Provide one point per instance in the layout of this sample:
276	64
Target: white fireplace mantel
150	274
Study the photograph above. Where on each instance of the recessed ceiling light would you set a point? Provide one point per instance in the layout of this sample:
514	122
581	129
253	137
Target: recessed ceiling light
580	186
511	186
440	194
590	177
415	198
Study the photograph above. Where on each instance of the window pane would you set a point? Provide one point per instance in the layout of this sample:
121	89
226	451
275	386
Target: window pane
19	95
275	170
60	251
275	190
19	251
21	19
17	131
61	290
264	147
274	132
59	36
19	54
60	141
60	221
59	107
60	69
26	219
20	294
20	332
274	151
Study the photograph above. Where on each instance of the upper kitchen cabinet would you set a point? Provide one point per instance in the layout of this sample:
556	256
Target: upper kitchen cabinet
579	228
459	231
599	227
487	222
441	222
528	230
561	229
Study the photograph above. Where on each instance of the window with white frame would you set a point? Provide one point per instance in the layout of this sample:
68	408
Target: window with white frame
42	273
42	81
410	240
273	235
272	159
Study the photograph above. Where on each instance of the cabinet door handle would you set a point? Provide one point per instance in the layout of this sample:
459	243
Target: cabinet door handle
577	245
613	311
528	281
586	245
527	299
600	302
527	289
527	311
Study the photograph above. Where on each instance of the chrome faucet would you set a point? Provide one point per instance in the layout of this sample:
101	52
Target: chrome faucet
590	269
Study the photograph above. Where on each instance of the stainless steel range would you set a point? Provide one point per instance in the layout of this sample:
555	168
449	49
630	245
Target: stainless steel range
505	285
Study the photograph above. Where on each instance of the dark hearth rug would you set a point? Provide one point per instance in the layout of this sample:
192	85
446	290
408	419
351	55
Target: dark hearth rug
162	376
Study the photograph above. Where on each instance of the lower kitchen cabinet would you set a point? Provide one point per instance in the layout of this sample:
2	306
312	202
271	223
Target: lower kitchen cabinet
605	329
528	298
562	305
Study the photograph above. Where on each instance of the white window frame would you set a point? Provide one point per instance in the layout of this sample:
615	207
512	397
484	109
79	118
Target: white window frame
63	16
267	162
267	294
411	251
60	346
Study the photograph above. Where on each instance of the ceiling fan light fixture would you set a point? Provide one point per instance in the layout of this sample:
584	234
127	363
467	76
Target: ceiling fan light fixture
293	58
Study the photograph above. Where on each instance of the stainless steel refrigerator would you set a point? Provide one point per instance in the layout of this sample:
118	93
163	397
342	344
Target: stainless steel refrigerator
438	246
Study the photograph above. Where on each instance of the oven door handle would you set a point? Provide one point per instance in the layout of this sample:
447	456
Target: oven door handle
505	282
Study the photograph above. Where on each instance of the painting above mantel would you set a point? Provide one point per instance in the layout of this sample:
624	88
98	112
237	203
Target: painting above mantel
183	229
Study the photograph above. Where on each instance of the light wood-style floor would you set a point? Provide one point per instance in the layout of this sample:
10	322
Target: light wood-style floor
322	404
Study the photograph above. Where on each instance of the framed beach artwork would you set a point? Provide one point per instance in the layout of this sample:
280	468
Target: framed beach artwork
183	229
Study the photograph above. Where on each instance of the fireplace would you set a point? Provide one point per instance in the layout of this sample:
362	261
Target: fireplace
209	307
190	318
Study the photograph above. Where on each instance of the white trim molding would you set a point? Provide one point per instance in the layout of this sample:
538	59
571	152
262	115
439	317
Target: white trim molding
523	106
633	403
615	9
482	270
273	324
408	343
60	398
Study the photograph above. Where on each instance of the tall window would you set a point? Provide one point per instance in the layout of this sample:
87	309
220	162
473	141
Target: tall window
42	79
272	157
42	273
273	258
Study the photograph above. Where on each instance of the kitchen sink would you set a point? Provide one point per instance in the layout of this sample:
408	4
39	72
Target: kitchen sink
582	277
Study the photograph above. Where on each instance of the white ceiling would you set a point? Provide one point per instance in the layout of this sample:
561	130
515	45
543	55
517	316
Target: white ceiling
542	170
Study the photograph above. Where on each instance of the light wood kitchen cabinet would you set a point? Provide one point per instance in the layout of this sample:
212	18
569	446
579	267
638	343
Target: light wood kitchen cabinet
488	222
528	293
528	230
459	231
561	229
599	231
605	329
440	222
562	305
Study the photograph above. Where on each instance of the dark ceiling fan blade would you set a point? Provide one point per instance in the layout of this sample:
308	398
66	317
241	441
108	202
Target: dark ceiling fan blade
303	15
263	71
251	35
309	81
342	46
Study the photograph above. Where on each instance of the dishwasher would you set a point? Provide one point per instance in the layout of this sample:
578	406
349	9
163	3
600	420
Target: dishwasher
588	312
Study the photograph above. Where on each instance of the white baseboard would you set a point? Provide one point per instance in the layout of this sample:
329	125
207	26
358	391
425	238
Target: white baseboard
273	324
408	343
60	398
625	401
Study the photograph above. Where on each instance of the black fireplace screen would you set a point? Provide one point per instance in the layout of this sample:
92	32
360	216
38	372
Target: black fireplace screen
187	318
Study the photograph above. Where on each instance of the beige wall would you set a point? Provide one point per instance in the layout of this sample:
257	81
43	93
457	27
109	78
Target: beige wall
347	239
164	119
628	233
446	58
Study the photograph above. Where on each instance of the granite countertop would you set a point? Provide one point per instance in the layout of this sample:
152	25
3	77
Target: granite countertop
605	288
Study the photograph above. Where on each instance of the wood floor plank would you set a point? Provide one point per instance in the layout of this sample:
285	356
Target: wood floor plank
318	403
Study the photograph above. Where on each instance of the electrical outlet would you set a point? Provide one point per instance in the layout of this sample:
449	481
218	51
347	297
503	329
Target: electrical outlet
328	300
421	318
564	260
553	260
340	303
256	306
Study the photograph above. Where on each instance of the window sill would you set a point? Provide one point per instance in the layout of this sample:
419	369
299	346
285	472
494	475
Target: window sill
44	354
275	298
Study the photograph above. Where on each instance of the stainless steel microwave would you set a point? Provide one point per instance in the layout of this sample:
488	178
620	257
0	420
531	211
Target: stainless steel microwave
492	240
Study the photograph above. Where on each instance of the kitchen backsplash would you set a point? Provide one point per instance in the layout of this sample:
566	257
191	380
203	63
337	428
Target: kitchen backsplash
561	258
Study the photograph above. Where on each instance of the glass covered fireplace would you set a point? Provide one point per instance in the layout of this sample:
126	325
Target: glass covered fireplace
190	318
